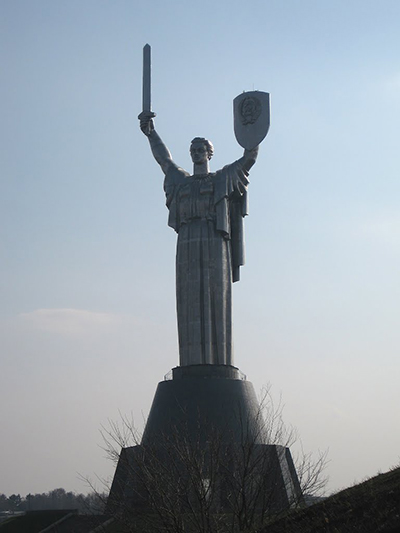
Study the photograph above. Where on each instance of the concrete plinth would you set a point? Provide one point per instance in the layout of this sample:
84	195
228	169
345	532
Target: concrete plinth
202	400
207	415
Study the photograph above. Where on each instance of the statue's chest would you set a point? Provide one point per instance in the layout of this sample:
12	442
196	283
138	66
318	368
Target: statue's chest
196	198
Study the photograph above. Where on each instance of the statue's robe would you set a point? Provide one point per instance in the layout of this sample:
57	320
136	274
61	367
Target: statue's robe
207	213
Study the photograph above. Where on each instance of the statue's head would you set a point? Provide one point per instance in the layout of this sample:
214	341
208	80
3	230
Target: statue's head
201	150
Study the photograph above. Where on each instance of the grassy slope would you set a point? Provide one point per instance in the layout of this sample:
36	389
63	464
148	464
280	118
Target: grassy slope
370	507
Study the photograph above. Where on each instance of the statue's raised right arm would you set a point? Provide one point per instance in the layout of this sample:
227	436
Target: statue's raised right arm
160	152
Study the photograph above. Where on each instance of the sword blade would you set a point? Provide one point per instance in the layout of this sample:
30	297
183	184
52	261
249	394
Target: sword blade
146	78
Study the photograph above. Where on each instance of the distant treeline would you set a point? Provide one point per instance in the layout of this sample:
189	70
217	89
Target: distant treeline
55	499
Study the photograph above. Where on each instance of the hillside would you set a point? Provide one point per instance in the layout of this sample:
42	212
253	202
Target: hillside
369	507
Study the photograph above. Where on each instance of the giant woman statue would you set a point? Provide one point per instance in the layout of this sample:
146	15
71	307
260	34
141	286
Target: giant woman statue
206	209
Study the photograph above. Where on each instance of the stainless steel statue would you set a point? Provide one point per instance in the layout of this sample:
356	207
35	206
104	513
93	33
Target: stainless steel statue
206	209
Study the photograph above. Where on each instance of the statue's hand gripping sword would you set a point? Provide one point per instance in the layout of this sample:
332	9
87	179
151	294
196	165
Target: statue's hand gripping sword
147	114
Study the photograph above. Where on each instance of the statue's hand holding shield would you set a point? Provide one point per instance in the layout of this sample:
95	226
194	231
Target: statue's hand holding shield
251	116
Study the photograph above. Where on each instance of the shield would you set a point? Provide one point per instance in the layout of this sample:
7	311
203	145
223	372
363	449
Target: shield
251	118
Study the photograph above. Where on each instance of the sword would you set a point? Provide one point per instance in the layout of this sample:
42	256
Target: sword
146	93
146	78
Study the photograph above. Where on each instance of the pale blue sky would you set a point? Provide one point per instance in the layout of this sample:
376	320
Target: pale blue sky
87	304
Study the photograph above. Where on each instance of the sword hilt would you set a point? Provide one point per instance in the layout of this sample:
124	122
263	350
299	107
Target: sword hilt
146	123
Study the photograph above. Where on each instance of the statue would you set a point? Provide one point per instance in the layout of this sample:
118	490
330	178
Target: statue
205	427
206	210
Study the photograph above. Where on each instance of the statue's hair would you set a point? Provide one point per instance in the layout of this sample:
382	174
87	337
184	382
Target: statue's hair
208	144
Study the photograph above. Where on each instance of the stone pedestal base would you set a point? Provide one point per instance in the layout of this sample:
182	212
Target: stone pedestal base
208	418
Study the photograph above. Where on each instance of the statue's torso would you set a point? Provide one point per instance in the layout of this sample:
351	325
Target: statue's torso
196	199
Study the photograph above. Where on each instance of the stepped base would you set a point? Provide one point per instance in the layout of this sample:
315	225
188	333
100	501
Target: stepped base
207	416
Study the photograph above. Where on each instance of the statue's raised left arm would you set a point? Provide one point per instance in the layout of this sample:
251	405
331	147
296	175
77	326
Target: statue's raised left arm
250	157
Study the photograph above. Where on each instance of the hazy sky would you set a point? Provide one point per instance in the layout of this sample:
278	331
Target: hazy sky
87	301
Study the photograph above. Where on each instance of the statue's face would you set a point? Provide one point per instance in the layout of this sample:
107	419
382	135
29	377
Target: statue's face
199	153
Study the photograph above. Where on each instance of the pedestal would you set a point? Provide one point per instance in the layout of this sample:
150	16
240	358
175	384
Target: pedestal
207	418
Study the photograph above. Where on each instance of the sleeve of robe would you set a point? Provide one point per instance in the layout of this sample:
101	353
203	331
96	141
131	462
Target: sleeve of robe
175	177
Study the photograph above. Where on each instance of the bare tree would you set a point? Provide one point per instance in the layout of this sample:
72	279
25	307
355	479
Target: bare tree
183	484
